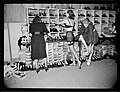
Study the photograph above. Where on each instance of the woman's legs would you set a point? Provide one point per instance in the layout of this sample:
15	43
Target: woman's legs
37	66
75	54
36	63
65	61
83	41
73	59
45	61
91	46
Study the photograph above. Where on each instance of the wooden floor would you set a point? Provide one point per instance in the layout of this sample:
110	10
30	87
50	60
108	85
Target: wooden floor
101	74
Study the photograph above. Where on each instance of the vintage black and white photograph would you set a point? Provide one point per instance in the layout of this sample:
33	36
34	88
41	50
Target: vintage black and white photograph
60	45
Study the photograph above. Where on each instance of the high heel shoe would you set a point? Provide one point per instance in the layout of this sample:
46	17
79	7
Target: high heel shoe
37	70
72	64
81	60
65	63
88	62
46	69
80	66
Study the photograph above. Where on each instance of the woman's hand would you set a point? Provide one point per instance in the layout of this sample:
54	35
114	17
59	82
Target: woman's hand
45	36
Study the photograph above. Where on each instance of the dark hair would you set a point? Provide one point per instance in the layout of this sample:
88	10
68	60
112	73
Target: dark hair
113	24
37	19
71	14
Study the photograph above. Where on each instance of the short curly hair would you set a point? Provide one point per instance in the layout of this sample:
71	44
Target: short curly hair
71	14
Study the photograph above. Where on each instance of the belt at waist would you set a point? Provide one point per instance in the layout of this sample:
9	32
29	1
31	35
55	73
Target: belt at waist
35	33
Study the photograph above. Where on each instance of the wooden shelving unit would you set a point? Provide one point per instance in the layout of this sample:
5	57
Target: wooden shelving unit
57	51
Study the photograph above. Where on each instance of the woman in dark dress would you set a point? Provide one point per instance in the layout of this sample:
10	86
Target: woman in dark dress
89	35
38	45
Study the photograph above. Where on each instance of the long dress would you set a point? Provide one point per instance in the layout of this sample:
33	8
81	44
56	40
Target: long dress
38	45
89	35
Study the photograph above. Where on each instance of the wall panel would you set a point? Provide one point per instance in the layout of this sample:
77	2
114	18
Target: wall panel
16	13
7	56
15	33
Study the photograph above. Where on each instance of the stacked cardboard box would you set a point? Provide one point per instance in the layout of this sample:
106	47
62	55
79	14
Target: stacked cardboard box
60	51
65	50
55	52
50	52
110	50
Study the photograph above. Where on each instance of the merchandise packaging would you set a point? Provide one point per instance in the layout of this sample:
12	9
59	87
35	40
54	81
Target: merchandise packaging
20	75
9	70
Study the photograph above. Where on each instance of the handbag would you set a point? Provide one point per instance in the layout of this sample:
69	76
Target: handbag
70	36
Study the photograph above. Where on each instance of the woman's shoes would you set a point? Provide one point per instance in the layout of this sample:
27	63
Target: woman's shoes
79	65
82	62
37	70
88	62
65	63
46	69
72	64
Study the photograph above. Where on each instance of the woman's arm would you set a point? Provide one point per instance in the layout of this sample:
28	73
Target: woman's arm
45	28
82	29
62	22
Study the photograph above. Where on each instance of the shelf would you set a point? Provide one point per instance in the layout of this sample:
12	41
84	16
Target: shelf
89	13
32	12
31	16
43	16
100	18
54	16
53	32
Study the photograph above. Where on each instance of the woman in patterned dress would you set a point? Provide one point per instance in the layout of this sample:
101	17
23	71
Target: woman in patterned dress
89	35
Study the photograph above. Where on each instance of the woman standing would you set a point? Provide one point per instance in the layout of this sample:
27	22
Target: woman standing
89	37
69	24
38	45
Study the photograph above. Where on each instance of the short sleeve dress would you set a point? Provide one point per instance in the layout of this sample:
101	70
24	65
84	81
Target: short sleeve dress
38	45
89	35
